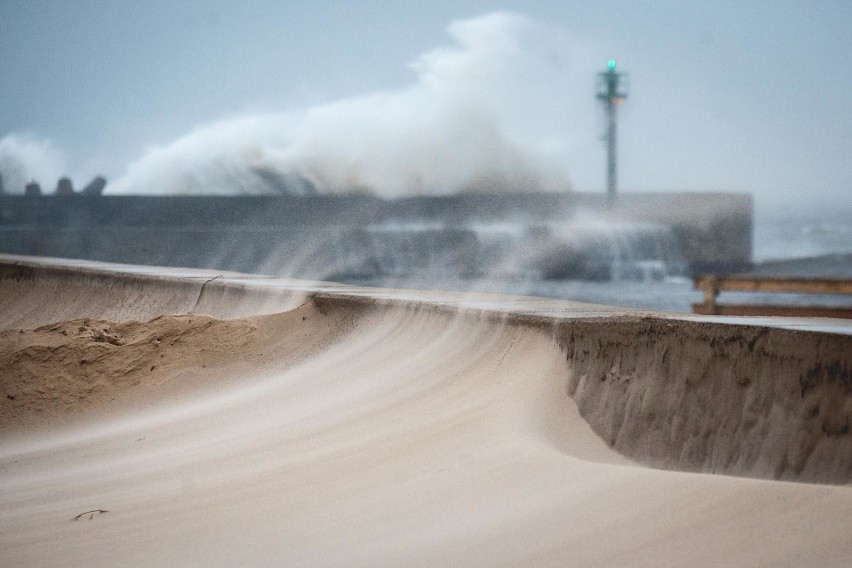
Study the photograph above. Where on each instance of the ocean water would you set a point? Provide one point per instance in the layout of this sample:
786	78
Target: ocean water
812	241
674	294
669	295
802	230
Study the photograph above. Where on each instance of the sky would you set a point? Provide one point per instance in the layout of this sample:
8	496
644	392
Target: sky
722	96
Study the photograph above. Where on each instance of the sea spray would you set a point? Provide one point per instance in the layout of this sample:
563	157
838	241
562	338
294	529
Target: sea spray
484	114
25	158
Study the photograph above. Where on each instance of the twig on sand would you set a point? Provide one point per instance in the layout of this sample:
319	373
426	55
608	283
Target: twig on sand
91	514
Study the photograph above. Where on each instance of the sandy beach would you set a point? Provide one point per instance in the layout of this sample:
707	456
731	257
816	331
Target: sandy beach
159	417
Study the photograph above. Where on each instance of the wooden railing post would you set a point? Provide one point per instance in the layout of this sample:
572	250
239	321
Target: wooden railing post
711	292
710	286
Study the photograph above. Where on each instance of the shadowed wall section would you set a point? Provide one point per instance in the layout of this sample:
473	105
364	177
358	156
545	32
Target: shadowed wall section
537	235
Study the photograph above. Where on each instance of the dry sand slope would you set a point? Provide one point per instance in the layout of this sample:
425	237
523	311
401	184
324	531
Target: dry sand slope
352	432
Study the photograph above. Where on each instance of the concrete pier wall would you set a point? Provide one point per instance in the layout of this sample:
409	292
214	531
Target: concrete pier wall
327	236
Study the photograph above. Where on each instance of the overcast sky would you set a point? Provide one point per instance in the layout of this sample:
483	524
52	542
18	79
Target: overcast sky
746	96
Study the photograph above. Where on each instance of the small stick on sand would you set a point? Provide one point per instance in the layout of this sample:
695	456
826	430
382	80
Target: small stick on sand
91	514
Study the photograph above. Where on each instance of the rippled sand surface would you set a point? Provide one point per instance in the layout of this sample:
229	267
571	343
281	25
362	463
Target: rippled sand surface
315	429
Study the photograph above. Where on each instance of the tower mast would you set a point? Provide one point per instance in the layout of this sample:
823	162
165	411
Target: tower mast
611	97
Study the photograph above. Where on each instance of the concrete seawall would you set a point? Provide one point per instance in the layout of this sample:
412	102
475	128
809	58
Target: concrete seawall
324	236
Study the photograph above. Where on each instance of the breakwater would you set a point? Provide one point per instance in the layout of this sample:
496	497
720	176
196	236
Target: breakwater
581	236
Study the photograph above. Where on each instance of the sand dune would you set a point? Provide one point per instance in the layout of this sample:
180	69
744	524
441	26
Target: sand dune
348	428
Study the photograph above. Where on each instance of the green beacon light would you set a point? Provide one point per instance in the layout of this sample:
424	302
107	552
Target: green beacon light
611	64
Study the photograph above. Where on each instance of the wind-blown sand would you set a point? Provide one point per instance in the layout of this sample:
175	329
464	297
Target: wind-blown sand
321	425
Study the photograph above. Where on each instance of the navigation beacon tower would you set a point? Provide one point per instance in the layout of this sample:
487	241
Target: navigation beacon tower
609	93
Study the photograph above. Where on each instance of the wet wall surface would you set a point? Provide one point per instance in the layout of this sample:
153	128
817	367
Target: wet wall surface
545	236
